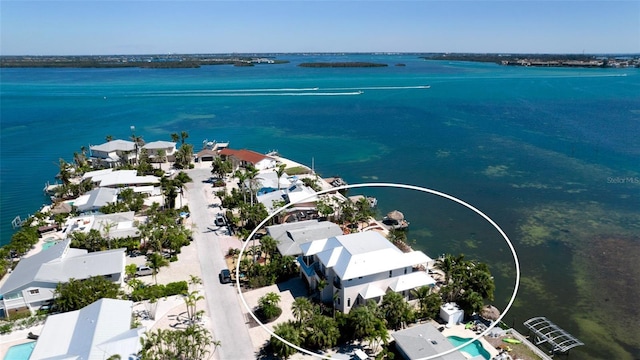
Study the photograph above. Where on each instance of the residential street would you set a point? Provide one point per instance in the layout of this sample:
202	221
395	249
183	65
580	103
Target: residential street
228	322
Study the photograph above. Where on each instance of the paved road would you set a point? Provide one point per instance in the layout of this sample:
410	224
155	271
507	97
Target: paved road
228	322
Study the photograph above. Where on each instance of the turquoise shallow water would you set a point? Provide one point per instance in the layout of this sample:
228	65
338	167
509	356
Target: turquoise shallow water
513	142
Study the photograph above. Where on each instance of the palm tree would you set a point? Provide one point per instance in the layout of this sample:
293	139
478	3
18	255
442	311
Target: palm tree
180	180
289	332
395	309
183	136
155	261
251	173
191	301
269	245
175	137
109	138
242	177
279	172
302	309
324	332
448	264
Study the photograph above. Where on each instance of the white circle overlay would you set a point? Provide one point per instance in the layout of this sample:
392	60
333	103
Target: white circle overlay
398	186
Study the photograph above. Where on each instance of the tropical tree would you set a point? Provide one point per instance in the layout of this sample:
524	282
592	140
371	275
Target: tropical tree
302	309
175	137
193	343
324	207
252	173
428	301
279	172
220	168
76	294
290	332
268	306
396	310
322	332
155	261
183	136
269	245
109	138
191	301
242	178
180	180
363	320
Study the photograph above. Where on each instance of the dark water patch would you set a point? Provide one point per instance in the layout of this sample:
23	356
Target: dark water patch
609	280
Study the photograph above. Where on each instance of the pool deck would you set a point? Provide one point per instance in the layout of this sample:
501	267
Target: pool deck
461	331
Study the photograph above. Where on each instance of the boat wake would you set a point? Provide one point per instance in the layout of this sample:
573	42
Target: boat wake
311	91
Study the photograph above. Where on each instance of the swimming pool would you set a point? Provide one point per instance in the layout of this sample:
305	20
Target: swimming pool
473	349
49	243
20	352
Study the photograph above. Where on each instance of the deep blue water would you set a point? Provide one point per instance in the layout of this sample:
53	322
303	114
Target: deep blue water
504	139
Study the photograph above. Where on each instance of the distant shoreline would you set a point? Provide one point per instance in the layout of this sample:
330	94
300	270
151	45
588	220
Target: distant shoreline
198	60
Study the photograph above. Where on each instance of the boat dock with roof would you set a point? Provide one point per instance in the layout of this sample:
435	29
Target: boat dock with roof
544	331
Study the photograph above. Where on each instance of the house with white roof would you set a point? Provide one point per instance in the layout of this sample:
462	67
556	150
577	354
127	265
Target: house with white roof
33	282
154	149
95	199
98	331
121	178
268	181
290	236
113	152
114	226
360	267
304	197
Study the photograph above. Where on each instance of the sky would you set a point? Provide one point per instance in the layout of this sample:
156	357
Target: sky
104	27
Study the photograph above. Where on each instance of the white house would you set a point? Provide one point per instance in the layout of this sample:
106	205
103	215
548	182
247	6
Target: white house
113	152
34	280
362	266
114	226
95	199
120	178
153	150
97	331
304	197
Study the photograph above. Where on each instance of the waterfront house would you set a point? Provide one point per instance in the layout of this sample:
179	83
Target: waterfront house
304	198
155	148
113	226
291	235
113	152
242	158
360	267
33	282
267	181
422	341
100	330
124	178
95	199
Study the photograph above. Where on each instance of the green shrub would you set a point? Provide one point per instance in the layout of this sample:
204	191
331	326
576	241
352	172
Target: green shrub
159	291
6	328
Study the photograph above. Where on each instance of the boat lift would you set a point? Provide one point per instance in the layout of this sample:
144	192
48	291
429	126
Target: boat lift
545	331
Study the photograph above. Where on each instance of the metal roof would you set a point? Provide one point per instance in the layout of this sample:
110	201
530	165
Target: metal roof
546	331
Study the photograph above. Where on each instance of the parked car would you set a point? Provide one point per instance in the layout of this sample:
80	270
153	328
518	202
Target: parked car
225	276
220	220
144	271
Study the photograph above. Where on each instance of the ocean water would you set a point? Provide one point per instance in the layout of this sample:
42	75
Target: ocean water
552	155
